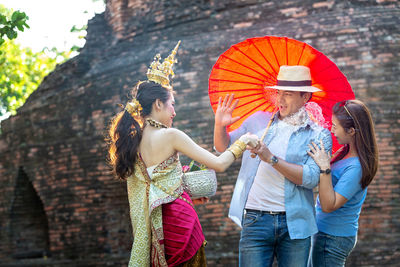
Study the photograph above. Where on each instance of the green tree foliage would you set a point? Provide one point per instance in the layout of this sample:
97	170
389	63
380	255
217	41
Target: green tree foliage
21	72
10	24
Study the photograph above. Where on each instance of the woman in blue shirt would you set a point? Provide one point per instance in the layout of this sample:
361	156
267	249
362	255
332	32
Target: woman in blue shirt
343	189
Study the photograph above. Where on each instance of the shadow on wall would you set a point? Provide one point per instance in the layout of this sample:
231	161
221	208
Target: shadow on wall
29	231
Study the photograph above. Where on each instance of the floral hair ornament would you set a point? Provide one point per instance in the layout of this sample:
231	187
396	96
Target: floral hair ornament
134	108
160	72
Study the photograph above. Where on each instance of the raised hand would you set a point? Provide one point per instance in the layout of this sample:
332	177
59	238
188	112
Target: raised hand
320	156
223	114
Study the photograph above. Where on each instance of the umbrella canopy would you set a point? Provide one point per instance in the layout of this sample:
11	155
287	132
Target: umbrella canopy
247	68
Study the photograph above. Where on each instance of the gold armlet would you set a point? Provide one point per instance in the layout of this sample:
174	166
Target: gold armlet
237	148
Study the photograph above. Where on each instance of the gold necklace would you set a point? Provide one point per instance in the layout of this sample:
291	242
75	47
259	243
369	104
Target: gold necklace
156	124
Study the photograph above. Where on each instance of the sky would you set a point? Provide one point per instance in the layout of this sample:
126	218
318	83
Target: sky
50	21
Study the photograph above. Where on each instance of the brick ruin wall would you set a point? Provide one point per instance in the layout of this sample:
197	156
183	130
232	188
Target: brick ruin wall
60	205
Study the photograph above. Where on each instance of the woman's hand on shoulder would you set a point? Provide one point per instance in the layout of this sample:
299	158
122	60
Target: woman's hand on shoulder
320	156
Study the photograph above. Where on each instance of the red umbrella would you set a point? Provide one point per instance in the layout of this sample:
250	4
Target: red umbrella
248	67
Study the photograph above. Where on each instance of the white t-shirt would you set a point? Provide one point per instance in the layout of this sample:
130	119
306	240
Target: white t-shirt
268	190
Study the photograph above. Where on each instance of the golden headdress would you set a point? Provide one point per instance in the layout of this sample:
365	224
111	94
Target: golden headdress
160	72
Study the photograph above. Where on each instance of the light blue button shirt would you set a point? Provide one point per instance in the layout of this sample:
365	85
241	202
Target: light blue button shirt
299	199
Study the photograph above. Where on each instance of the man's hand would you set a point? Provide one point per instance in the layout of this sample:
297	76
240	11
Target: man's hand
262	151
223	114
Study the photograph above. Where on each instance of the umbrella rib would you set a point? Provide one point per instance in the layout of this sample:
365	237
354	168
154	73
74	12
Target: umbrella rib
302	51
244	96
219	80
269	104
243	65
328	99
254	109
251	60
287	51
273	51
233	90
332	66
322	82
324	99
240	74
266	60
244	104
330	80
241	97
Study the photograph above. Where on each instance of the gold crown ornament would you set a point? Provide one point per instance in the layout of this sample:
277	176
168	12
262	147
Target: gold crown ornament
160	72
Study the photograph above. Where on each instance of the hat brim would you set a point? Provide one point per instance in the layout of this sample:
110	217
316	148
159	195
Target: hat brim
310	89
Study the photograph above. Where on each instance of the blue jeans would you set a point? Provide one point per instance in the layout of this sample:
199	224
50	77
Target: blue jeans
329	250
265	236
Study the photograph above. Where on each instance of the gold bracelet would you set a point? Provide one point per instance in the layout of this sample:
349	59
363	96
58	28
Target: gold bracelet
237	148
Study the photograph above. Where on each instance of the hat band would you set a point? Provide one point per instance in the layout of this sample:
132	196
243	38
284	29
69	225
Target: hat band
294	83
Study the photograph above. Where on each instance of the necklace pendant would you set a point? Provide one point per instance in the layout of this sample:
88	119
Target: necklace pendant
156	124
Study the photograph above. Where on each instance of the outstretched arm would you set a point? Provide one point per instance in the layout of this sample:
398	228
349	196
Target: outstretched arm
184	144
223	118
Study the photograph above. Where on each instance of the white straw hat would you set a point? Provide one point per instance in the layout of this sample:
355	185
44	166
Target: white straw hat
294	78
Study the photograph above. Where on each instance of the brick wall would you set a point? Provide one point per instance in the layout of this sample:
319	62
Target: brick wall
52	153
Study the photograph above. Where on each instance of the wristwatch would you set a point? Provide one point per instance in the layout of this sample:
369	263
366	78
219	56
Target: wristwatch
327	171
274	160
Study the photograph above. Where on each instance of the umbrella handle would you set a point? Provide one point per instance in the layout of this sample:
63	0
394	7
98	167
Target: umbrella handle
266	131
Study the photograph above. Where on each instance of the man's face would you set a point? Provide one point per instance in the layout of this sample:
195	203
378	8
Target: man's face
289	102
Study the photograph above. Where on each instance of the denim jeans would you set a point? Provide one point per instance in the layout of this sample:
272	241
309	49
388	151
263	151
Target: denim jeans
329	250
266	236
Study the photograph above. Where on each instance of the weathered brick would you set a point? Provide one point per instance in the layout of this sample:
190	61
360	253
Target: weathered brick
54	147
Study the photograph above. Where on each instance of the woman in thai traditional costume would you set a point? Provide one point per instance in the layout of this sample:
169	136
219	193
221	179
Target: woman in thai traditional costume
343	189
144	151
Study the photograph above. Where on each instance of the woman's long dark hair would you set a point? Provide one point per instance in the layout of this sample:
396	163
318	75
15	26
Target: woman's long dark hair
125	132
358	116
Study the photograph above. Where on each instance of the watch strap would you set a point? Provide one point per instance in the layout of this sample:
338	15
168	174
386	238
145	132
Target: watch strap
274	160
327	171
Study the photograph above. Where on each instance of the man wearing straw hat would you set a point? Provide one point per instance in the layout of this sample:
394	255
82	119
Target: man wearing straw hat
273	199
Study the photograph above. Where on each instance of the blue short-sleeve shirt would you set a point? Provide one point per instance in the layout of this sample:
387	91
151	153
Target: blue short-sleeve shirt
346	176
